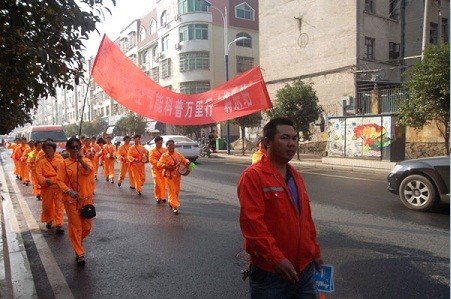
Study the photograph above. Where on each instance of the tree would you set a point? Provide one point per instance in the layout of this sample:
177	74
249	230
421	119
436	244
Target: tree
190	130
428	87
299	103
251	120
131	124
42	49
71	130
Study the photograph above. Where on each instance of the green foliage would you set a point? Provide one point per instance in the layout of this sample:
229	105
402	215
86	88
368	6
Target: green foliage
131	124
71	130
299	103
247	121
41	49
190	130
428	88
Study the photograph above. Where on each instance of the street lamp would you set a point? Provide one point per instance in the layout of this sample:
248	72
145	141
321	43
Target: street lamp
226	57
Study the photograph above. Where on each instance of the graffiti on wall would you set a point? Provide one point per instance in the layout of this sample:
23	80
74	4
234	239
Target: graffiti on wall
359	136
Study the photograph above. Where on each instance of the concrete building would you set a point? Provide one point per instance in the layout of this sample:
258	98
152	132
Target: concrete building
344	48
181	45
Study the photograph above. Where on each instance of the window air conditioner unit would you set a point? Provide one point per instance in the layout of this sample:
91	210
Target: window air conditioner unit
178	46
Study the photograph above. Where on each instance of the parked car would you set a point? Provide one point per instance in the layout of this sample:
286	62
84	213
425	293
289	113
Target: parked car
421	183
184	145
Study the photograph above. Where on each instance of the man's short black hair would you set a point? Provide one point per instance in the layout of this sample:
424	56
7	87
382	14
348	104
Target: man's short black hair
49	143
73	141
136	136
126	137
270	129
170	140
158	138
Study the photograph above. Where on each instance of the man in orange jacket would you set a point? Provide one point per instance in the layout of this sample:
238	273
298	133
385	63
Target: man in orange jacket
74	178
13	147
157	172
276	221
170	162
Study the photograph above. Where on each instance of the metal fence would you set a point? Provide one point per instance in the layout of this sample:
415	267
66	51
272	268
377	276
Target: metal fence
388	100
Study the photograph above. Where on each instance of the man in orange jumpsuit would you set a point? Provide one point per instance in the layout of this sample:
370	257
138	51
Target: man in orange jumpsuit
13	146
26	166
170	162
74	179
257	156
137	156
157	172
51	194
88	152
276	221
33	157
97	148
121	156
109	153
17	154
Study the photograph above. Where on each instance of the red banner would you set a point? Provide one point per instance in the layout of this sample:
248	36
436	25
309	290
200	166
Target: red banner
122	80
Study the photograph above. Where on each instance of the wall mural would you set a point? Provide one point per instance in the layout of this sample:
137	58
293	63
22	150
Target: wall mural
359	136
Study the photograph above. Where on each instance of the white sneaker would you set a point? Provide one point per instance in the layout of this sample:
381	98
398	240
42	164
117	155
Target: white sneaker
176	212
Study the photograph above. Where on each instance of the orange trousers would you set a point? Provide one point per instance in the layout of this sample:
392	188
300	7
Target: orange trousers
16	167
108	168
24	170
138	172
123	170
34	182
173	185
79	227
52	206
159	185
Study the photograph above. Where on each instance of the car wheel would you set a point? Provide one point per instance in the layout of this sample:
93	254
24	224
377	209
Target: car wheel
418	193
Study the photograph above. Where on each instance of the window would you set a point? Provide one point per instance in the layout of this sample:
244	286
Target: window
433	33
154	52
245	42
394	9
164	19
393	50
194	61
152	27
244	11
445	32
142	33
369	6
193	31
244	64
154	74
369	47
191	6
164	43
166	68
193	87
144	57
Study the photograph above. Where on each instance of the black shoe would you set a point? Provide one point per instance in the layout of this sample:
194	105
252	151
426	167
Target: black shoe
59	231
176	212
17	177
96	178
80	261
131	187
163	200
107	179
48	225
38	197
112	182
119	184
139	193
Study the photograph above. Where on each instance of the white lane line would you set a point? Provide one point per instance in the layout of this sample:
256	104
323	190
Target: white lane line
56	278
342	176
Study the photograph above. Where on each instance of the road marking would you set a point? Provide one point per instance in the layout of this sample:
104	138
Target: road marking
343	176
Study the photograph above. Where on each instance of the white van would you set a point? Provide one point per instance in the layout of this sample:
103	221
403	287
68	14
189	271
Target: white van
44	132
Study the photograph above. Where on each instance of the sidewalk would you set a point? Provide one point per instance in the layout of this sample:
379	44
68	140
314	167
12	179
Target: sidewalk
310	160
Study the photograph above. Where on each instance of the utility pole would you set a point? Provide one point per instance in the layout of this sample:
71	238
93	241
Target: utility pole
425	27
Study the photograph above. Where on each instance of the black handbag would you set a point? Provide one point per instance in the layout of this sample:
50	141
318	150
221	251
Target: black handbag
88	211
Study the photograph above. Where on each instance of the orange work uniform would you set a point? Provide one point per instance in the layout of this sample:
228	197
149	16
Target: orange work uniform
72	176
33	158
97	152
159	183
124	164
17	156
172	178
25	166
109	152
51	194
137	156
257	156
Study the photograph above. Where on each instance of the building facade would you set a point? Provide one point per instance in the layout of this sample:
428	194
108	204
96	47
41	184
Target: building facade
345	48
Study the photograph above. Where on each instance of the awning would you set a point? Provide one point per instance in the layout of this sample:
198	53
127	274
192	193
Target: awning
153	127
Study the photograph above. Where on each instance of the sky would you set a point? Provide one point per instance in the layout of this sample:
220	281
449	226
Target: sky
122	14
